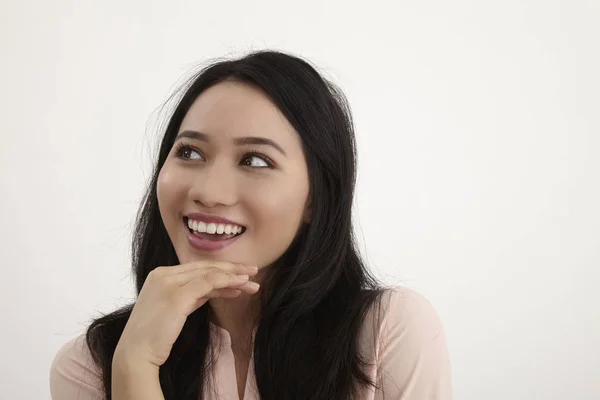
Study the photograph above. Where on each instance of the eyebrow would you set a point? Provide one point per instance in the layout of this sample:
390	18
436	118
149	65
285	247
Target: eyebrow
257	140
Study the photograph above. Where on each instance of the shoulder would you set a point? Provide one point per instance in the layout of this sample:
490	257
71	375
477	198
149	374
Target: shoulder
409	313
413	357
73	373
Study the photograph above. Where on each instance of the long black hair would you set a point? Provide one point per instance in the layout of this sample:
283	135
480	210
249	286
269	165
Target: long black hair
317	297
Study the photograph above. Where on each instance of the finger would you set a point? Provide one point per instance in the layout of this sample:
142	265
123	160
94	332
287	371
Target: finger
224	293
201	288
203	284
237	270
249	287
228	293
223	265
193	294
200	273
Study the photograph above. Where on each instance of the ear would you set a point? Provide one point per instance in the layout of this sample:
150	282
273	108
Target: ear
307	211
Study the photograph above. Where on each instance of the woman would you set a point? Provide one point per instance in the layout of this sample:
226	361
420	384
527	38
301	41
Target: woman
256	169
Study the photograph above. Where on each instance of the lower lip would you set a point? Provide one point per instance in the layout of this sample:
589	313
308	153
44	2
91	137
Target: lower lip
208	245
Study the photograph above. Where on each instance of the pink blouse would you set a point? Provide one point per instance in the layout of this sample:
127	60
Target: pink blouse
407	350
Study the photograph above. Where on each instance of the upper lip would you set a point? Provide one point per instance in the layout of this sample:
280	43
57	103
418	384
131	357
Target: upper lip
211	218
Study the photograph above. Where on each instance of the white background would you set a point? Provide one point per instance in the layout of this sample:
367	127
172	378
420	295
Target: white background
479	180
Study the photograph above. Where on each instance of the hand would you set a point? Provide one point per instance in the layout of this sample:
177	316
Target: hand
169	295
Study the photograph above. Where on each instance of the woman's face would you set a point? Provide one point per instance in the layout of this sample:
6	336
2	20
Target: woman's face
211	170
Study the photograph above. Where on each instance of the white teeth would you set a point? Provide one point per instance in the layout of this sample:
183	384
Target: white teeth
212	228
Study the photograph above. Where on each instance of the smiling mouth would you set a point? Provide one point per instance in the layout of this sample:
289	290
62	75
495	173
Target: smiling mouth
203	231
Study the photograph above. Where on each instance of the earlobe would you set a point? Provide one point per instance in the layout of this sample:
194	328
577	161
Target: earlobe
307	212
306	218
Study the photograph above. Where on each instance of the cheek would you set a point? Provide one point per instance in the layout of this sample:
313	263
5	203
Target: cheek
279	210
169	191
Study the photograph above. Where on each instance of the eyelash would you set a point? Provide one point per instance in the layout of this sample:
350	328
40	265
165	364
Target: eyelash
181	147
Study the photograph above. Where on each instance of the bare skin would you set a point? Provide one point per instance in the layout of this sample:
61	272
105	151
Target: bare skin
237	157
255	185
168	297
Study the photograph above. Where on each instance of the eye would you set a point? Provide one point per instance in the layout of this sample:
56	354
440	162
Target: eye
263	161
187	152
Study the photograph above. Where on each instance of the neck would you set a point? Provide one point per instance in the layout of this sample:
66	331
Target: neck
238	316
233	315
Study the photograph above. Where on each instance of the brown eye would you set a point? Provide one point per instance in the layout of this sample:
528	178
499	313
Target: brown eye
188	153
262	161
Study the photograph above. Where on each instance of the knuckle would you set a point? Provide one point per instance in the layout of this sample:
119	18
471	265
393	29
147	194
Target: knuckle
169	280
232	275
213	270
211	275
215	279
218	264
156	274
206	280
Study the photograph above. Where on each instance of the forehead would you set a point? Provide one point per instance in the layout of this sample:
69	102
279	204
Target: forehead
232	109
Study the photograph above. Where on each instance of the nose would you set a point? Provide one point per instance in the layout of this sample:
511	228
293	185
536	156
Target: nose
214	186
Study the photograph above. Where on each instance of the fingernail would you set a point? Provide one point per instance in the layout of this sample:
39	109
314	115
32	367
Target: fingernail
254	268
253	285
243	277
